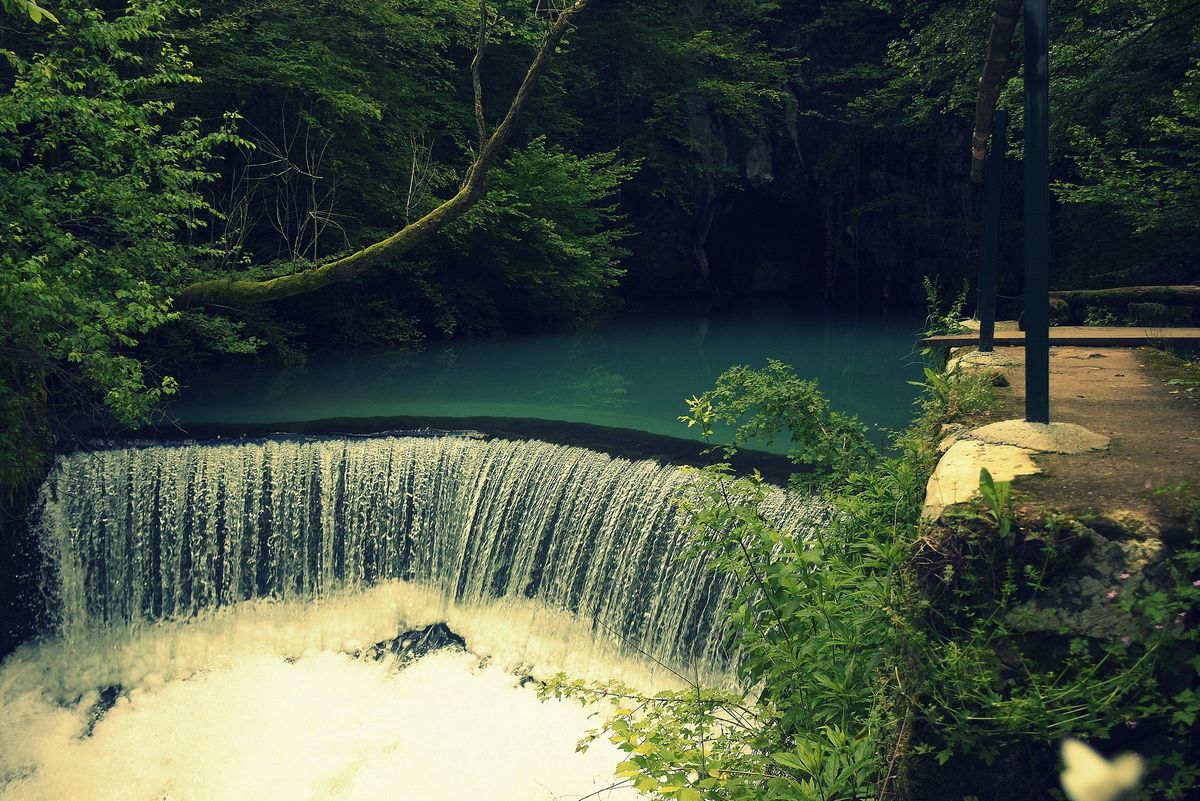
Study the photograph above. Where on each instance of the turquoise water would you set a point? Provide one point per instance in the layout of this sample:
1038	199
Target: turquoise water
631	372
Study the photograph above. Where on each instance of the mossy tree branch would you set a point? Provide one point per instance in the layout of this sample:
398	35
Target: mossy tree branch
1183	294
242	292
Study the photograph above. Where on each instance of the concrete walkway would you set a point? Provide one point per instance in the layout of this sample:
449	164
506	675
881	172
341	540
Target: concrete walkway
1150	470
1081	335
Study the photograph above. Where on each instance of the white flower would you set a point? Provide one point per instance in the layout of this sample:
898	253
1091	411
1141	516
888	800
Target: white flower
1087	776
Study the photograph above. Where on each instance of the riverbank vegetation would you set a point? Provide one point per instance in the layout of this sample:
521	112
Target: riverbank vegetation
822	633
887	656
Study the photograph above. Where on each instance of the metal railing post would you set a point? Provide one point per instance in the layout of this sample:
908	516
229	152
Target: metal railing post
991	231
1037	212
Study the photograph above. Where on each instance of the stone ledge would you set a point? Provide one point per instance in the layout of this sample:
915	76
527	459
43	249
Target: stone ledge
1006	449
955	480
1041	437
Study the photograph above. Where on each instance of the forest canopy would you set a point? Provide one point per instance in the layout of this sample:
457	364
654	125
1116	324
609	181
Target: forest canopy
153	144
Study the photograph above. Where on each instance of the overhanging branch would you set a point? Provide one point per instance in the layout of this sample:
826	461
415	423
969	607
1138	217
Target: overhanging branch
241	292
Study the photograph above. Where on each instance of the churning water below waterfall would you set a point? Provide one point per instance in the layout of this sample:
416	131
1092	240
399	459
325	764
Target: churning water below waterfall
250	720
222	593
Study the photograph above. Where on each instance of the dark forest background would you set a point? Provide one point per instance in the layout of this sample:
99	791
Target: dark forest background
709	149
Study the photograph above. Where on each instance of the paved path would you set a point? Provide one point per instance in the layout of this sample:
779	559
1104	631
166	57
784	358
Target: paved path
1083	335
1153	466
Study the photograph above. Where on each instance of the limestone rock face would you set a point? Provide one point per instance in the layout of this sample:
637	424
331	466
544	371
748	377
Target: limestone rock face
1087	600
850	250
956	478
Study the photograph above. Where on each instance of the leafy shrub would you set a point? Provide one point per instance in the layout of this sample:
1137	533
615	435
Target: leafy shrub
762	405
816	625
813	629
1100	315
99	187
952	396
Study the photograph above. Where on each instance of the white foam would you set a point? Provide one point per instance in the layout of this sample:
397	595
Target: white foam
265	700
326	727
520	635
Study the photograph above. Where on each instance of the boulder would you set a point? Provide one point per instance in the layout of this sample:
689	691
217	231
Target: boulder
414	644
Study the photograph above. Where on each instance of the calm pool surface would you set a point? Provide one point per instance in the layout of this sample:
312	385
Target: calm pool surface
631	372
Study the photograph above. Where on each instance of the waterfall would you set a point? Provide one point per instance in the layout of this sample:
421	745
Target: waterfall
155	532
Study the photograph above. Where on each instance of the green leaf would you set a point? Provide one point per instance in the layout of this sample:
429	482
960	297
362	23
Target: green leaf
645	784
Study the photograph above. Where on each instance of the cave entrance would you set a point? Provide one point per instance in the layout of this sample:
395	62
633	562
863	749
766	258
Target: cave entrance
764	244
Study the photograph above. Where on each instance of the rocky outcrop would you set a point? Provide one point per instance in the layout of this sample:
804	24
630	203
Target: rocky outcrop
1006	450
850	207
414	644
1095	564
1124	561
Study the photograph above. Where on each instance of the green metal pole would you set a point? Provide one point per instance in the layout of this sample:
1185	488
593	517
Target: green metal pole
1037	212
991	231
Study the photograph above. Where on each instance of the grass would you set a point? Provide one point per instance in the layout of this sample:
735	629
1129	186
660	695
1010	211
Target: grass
1178	369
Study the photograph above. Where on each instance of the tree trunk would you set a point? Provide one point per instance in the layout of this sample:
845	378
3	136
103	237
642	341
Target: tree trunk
1004	21
240	292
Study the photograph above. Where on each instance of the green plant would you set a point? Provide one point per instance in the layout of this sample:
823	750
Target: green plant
548	231
949	321
1100	315
813	629
989	688
815	625
953	396
762	405
100	193
1184	497
865	656
997	495
27	8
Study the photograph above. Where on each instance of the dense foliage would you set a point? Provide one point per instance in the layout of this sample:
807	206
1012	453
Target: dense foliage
886	657
128	173
727	145
815	626
99	190
764	405
860	133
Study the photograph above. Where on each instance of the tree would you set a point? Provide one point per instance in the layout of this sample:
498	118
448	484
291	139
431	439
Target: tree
1004	21
27	8
98	189
1151	183
470	190
547	235
340	98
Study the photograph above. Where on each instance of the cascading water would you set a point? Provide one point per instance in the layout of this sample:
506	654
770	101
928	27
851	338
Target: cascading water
222	592
166	531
